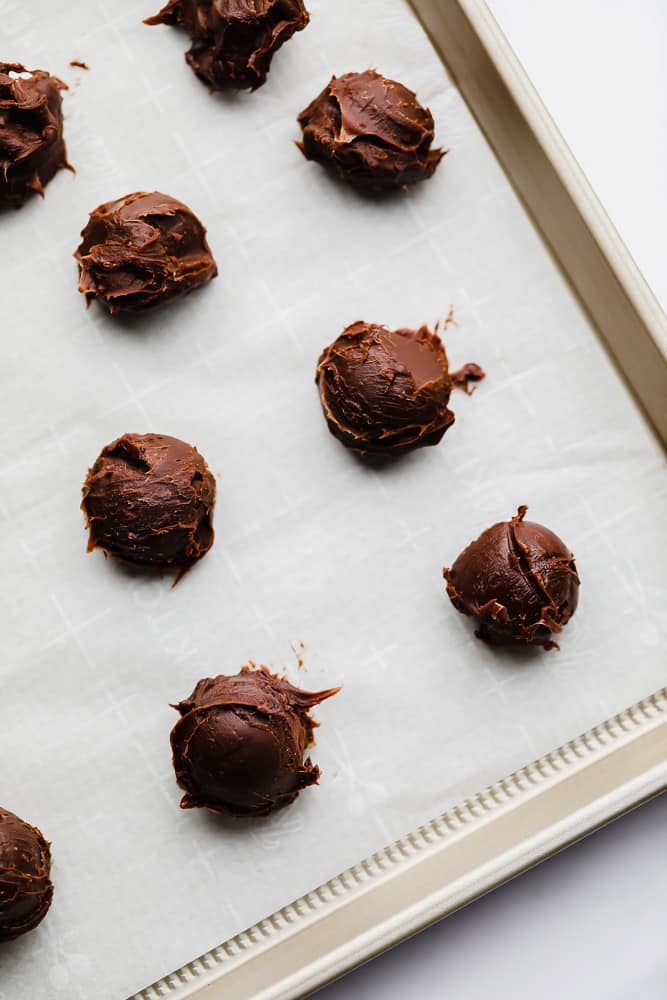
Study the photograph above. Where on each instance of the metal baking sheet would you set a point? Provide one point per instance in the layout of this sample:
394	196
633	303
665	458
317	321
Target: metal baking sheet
313	545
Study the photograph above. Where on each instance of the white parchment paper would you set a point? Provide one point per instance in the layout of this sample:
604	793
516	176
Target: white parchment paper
313	545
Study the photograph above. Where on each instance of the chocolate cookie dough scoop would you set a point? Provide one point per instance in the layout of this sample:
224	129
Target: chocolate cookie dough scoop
25	887
387	391
233	41
519	580
370	131
148	500
32	148
239	745
142	250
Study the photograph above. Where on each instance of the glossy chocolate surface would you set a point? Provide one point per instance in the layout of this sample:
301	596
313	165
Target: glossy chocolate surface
239	745
519	580
370	131
387	390
149	499
32	148
142	250
25	887
233	41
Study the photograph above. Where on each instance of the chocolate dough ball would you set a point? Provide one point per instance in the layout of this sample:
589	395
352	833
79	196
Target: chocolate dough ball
238	747
32	148
25	887
142	250
149	499
387	391
519	580
370	131
233	41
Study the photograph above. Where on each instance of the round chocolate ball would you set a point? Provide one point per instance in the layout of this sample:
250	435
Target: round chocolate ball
385	390
519	580
25	887
149	499
233	42
142	250
32	148
371	132
239	745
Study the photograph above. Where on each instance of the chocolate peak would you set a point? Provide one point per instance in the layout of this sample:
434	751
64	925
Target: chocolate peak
32	148
519	580
371	131
148	500
239	744
233	41
25	887
142	250
463	376
386	391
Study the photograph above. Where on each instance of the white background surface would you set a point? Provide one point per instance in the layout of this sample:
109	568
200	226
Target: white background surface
600	67
590	923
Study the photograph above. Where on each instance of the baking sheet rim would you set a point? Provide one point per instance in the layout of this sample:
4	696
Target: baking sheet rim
443	865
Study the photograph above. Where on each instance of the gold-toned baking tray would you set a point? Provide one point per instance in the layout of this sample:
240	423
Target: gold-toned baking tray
584	784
